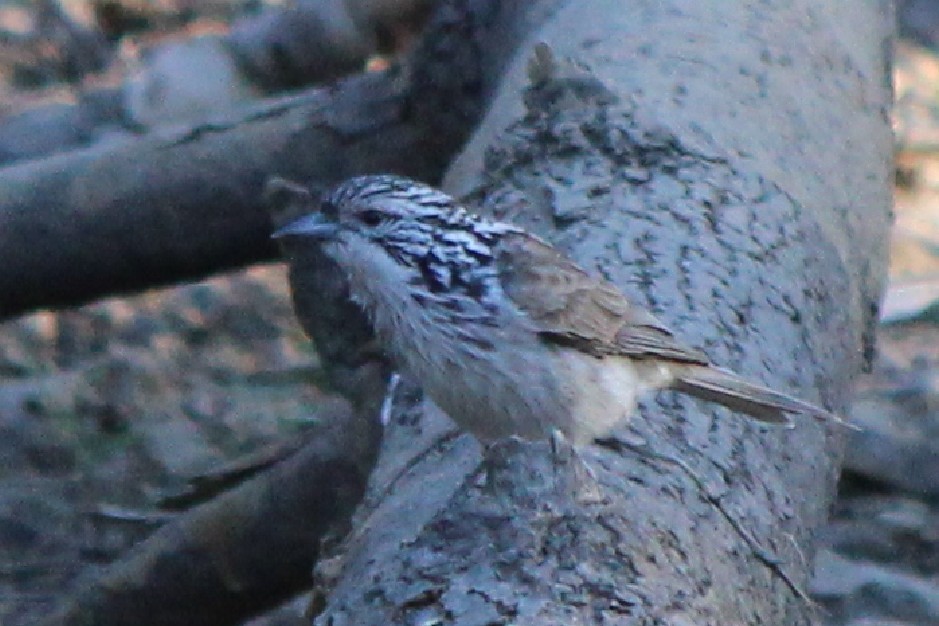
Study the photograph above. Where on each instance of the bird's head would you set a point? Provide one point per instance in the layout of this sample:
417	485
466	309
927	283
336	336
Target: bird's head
382	223
378	209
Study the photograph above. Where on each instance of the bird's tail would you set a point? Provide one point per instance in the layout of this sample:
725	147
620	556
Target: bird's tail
718	385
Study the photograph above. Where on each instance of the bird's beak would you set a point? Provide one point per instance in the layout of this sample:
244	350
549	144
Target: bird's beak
314	226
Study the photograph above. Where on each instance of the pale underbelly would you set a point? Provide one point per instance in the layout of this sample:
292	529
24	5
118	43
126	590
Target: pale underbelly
529	393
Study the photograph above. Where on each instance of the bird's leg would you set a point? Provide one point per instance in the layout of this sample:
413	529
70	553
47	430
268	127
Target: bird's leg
387	402
509	468
586	486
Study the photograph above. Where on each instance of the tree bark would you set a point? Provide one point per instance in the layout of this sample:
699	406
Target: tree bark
728	165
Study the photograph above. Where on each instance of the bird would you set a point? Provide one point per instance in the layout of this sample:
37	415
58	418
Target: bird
505	333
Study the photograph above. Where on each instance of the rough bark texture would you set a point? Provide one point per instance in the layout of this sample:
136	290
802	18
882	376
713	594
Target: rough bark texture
727	164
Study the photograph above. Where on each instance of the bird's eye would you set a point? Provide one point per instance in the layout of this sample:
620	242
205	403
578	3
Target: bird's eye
371	217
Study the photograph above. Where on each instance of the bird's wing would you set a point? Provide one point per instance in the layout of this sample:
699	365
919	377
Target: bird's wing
570	307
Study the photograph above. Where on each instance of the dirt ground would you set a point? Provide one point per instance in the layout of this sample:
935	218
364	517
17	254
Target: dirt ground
107	408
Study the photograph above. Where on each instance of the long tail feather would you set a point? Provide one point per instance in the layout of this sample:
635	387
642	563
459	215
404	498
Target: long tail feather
718	385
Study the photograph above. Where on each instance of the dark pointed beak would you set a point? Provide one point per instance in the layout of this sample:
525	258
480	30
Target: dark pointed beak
314	226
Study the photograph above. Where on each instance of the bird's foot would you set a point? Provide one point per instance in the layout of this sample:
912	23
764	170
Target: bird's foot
572	474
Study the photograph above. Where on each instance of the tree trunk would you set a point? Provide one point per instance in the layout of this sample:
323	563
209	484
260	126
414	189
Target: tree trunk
728	165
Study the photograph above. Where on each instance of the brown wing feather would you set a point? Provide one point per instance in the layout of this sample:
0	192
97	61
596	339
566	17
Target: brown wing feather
571	307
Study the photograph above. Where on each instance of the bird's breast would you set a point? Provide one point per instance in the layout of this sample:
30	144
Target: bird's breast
483	362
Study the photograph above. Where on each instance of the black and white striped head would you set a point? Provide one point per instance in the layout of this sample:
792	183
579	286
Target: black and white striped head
441	246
